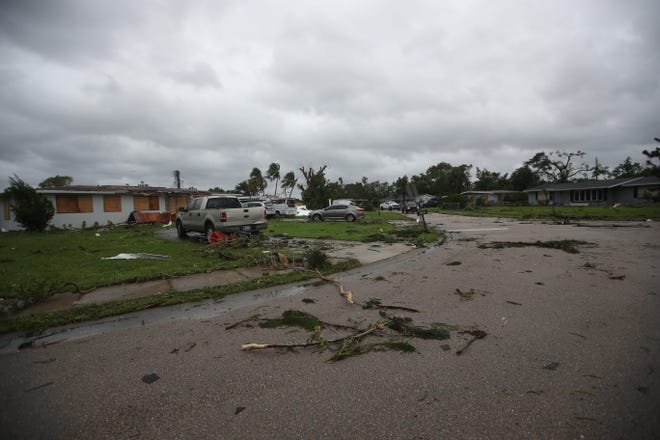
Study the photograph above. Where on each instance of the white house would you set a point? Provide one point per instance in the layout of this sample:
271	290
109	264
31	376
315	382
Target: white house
79	205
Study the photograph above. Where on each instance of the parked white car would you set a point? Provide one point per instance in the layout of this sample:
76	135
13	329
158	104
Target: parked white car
390	205
302	211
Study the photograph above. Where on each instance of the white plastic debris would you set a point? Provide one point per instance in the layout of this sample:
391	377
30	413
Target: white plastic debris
138	256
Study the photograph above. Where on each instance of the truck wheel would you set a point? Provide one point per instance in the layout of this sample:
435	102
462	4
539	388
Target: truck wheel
209	231
180	231
317	218
350	218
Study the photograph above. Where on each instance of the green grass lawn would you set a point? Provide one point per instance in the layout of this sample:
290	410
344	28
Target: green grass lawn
621	213
70	260
34	266
371	228
44	262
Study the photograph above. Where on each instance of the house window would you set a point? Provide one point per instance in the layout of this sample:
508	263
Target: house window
73	204
146	203
111	203
176	202
588	195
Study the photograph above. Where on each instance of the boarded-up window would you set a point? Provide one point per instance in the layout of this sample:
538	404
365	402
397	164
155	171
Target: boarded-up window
176	202
112	203
146	203
73	204
5	207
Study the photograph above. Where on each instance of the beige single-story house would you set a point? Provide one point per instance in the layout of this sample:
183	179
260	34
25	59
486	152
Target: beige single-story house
82	205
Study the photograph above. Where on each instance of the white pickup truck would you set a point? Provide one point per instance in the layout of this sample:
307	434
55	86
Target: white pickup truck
224	214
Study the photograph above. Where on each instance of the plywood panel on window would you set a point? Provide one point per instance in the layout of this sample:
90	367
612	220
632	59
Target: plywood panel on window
176	202
85	204
5	207
140	203
112	203
66	204
154	203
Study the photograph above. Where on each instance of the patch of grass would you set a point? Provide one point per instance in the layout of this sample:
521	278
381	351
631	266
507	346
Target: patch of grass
371	303
406	327
569	246
402	346
454	263
292	318
316	259
372	228
70	260
40	321
308	301
621	213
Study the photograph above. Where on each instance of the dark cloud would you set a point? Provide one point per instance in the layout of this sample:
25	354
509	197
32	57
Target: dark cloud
124	91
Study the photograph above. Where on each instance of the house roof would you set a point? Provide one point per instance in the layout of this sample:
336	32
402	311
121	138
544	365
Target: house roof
486	193
595	184
117	189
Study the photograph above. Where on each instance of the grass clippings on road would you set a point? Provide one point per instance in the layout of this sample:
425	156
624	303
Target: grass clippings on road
568	246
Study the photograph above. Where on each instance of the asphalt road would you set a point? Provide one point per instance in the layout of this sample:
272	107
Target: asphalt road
572	351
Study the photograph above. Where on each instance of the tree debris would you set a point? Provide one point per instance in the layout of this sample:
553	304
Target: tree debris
476	334
468	295
243	321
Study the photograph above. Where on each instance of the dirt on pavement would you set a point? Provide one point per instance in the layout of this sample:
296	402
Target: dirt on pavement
572	351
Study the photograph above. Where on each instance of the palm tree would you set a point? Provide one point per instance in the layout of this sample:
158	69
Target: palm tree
274	174
289	182
256	182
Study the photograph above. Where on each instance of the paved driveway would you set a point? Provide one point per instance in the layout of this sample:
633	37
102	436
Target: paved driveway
572	351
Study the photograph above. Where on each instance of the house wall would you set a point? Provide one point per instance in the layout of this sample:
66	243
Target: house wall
98	215
7	221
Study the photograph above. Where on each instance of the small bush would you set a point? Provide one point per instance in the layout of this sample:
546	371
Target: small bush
316	259
32	210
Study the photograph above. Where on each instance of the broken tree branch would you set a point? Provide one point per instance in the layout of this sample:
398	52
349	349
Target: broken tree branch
243	321
360	335
476	334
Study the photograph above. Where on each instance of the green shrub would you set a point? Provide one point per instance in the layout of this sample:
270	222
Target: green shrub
32	210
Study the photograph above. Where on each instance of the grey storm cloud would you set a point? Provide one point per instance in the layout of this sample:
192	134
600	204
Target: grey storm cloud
124	91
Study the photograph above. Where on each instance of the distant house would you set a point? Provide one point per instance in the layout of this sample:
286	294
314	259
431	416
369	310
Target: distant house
79	205
631	191
494	197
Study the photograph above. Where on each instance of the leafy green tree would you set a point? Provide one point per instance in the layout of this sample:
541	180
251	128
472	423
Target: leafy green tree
273	173
443	179
627	169
401	187
32	210
243	188
558	167
651	167
490	180
524	178
56	181
315	191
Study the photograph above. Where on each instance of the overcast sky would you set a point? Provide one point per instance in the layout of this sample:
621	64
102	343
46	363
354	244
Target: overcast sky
116	92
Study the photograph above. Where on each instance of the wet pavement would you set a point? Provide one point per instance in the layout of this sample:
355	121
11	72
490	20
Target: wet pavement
571	352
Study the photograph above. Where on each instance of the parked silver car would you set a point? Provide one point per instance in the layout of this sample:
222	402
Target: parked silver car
350	213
